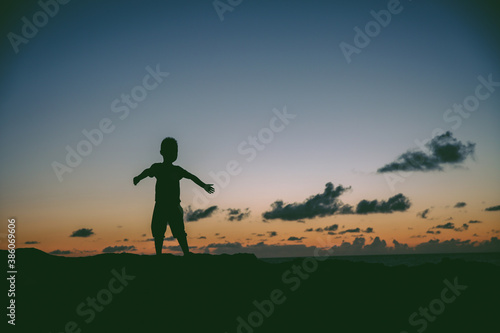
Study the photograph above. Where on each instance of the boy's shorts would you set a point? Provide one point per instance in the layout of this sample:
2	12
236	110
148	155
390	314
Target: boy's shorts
168	213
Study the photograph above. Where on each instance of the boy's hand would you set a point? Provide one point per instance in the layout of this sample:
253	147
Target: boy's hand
209	188
136	180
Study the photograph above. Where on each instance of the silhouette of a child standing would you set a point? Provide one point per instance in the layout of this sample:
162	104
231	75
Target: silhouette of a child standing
167	197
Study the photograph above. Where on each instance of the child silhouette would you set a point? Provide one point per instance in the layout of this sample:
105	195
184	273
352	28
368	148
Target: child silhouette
167	197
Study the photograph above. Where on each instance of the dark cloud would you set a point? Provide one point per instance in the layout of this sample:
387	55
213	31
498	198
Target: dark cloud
398	203
448	225
58	252
84	232
423	214
319	230
457	245
199	214
442	150
357	247
437	232
376	246
170	239
202	237
328	203
332	227
464	227
293	238
272	233
263	250
319	205
235	245
31	242
237	214
308	230
493	208
120	248
347	248
460	204
474	221
356	230
368	231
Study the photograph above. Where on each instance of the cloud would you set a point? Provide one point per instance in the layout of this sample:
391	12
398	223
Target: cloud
199	214
376	246
202	237
448	225
58	252
121	248
293	238
396	203
357	247
356	230
263	250
235	245
308	230
328	203
437	232
84	232
493	208
332	227
457	245
31	242
442	150
237	214
379	246
323	204
474	221
272	233
464	227
368	230
460	205
423	214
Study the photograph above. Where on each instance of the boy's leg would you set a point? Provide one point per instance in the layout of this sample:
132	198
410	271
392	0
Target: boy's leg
158	245
184	244
177	228
158	226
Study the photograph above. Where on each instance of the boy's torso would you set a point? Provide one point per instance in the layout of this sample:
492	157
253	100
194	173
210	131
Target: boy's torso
167	182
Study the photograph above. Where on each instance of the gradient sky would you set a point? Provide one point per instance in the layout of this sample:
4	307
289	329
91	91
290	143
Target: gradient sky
225	79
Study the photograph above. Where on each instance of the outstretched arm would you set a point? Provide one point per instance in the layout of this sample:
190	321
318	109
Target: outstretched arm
207	187
143	175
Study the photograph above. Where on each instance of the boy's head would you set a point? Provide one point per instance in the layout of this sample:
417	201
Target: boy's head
169	150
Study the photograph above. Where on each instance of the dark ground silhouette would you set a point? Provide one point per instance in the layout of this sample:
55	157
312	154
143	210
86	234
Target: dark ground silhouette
207	293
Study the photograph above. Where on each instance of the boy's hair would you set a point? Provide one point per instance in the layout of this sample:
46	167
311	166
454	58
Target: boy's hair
169	149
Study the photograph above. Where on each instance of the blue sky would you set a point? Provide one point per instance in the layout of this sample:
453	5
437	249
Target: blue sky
225	78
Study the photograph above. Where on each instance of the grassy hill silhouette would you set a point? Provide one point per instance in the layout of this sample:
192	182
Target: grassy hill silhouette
240	293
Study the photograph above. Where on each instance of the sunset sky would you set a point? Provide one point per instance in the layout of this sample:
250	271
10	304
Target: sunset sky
270	93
